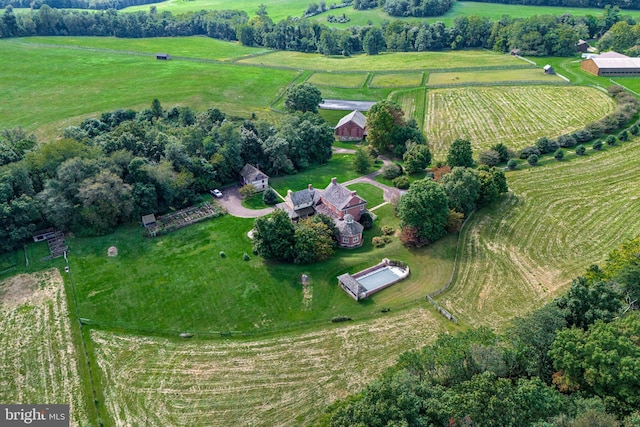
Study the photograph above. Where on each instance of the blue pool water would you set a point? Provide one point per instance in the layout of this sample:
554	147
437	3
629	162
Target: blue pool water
377	279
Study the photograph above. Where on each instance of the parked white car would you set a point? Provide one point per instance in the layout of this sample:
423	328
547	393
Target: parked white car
216	193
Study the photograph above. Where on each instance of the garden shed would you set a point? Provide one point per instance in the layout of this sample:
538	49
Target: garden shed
163	56
252	175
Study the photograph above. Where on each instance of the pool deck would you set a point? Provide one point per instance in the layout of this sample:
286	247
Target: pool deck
361	290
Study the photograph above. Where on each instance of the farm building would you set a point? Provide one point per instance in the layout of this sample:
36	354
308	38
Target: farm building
252	175
337	202
582	46
351	127
612	64
548	69
515	52
163	56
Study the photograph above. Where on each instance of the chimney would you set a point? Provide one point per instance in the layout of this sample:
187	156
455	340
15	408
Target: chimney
289	193
310	187
334	181
353	193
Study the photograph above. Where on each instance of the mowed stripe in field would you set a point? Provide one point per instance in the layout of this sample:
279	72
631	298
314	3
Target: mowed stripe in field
516	116
268	382
555	222
38	362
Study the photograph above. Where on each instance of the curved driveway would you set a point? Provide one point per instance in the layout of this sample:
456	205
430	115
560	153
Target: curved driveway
232	200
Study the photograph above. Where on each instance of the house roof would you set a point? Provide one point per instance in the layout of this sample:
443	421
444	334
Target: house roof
547	67
356	117
352	284
339	195
609	62
148	219
582	42
251	173
349	227
611	54
304	197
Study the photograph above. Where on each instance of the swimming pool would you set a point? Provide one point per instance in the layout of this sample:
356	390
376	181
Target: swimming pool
377	279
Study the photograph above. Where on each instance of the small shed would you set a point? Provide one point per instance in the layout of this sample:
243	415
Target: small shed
582	46
41	235
163	56
548	69
149	221
515	52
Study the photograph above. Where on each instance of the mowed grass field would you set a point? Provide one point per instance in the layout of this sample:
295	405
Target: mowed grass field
279	381
339	79
385	61
39	361
555	222
493	76
514	115
52	88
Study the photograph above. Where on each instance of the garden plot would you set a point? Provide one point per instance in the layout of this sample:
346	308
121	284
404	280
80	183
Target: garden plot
280	381
38	362
516	116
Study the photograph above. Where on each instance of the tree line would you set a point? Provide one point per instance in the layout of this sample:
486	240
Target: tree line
74	4
110	170
537	35
574	362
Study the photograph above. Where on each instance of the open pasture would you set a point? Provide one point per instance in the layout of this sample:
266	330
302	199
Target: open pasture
281	381
340	80
555	222
39	362
80	83
189	47
394	80
516	115
386	61
319	176
492	76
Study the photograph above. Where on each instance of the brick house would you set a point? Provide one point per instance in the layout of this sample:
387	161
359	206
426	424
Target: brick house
351	127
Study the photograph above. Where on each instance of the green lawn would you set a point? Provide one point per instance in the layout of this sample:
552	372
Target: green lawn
319	176
80	83
493	76
372	194
254	202
179	282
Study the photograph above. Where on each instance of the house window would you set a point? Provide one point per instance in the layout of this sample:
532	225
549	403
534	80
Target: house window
355	239
345	240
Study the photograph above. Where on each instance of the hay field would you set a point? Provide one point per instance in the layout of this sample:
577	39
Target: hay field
555	222
516	115
492	76
397	80
339	79
282	381
38	362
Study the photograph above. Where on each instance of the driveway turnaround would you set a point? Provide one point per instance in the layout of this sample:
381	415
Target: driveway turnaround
232	201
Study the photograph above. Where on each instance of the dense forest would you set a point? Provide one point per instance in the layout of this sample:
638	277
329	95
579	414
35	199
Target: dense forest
111	170
536	36
574	362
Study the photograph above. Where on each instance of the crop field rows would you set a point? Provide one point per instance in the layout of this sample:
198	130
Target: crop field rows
269	382
553	224
515	116
39	361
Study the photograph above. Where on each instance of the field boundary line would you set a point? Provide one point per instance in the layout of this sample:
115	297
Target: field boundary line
624	87
499	83
446	286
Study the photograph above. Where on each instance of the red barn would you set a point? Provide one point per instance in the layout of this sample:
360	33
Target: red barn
351	127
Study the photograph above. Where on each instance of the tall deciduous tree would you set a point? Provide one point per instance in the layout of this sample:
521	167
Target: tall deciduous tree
274	236
425	208
460	154
302	97
416	158
462	187
383	120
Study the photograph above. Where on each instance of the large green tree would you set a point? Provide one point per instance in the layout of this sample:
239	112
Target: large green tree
416	158
460	154
274	236
302	97
462	186
425	209
383	121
